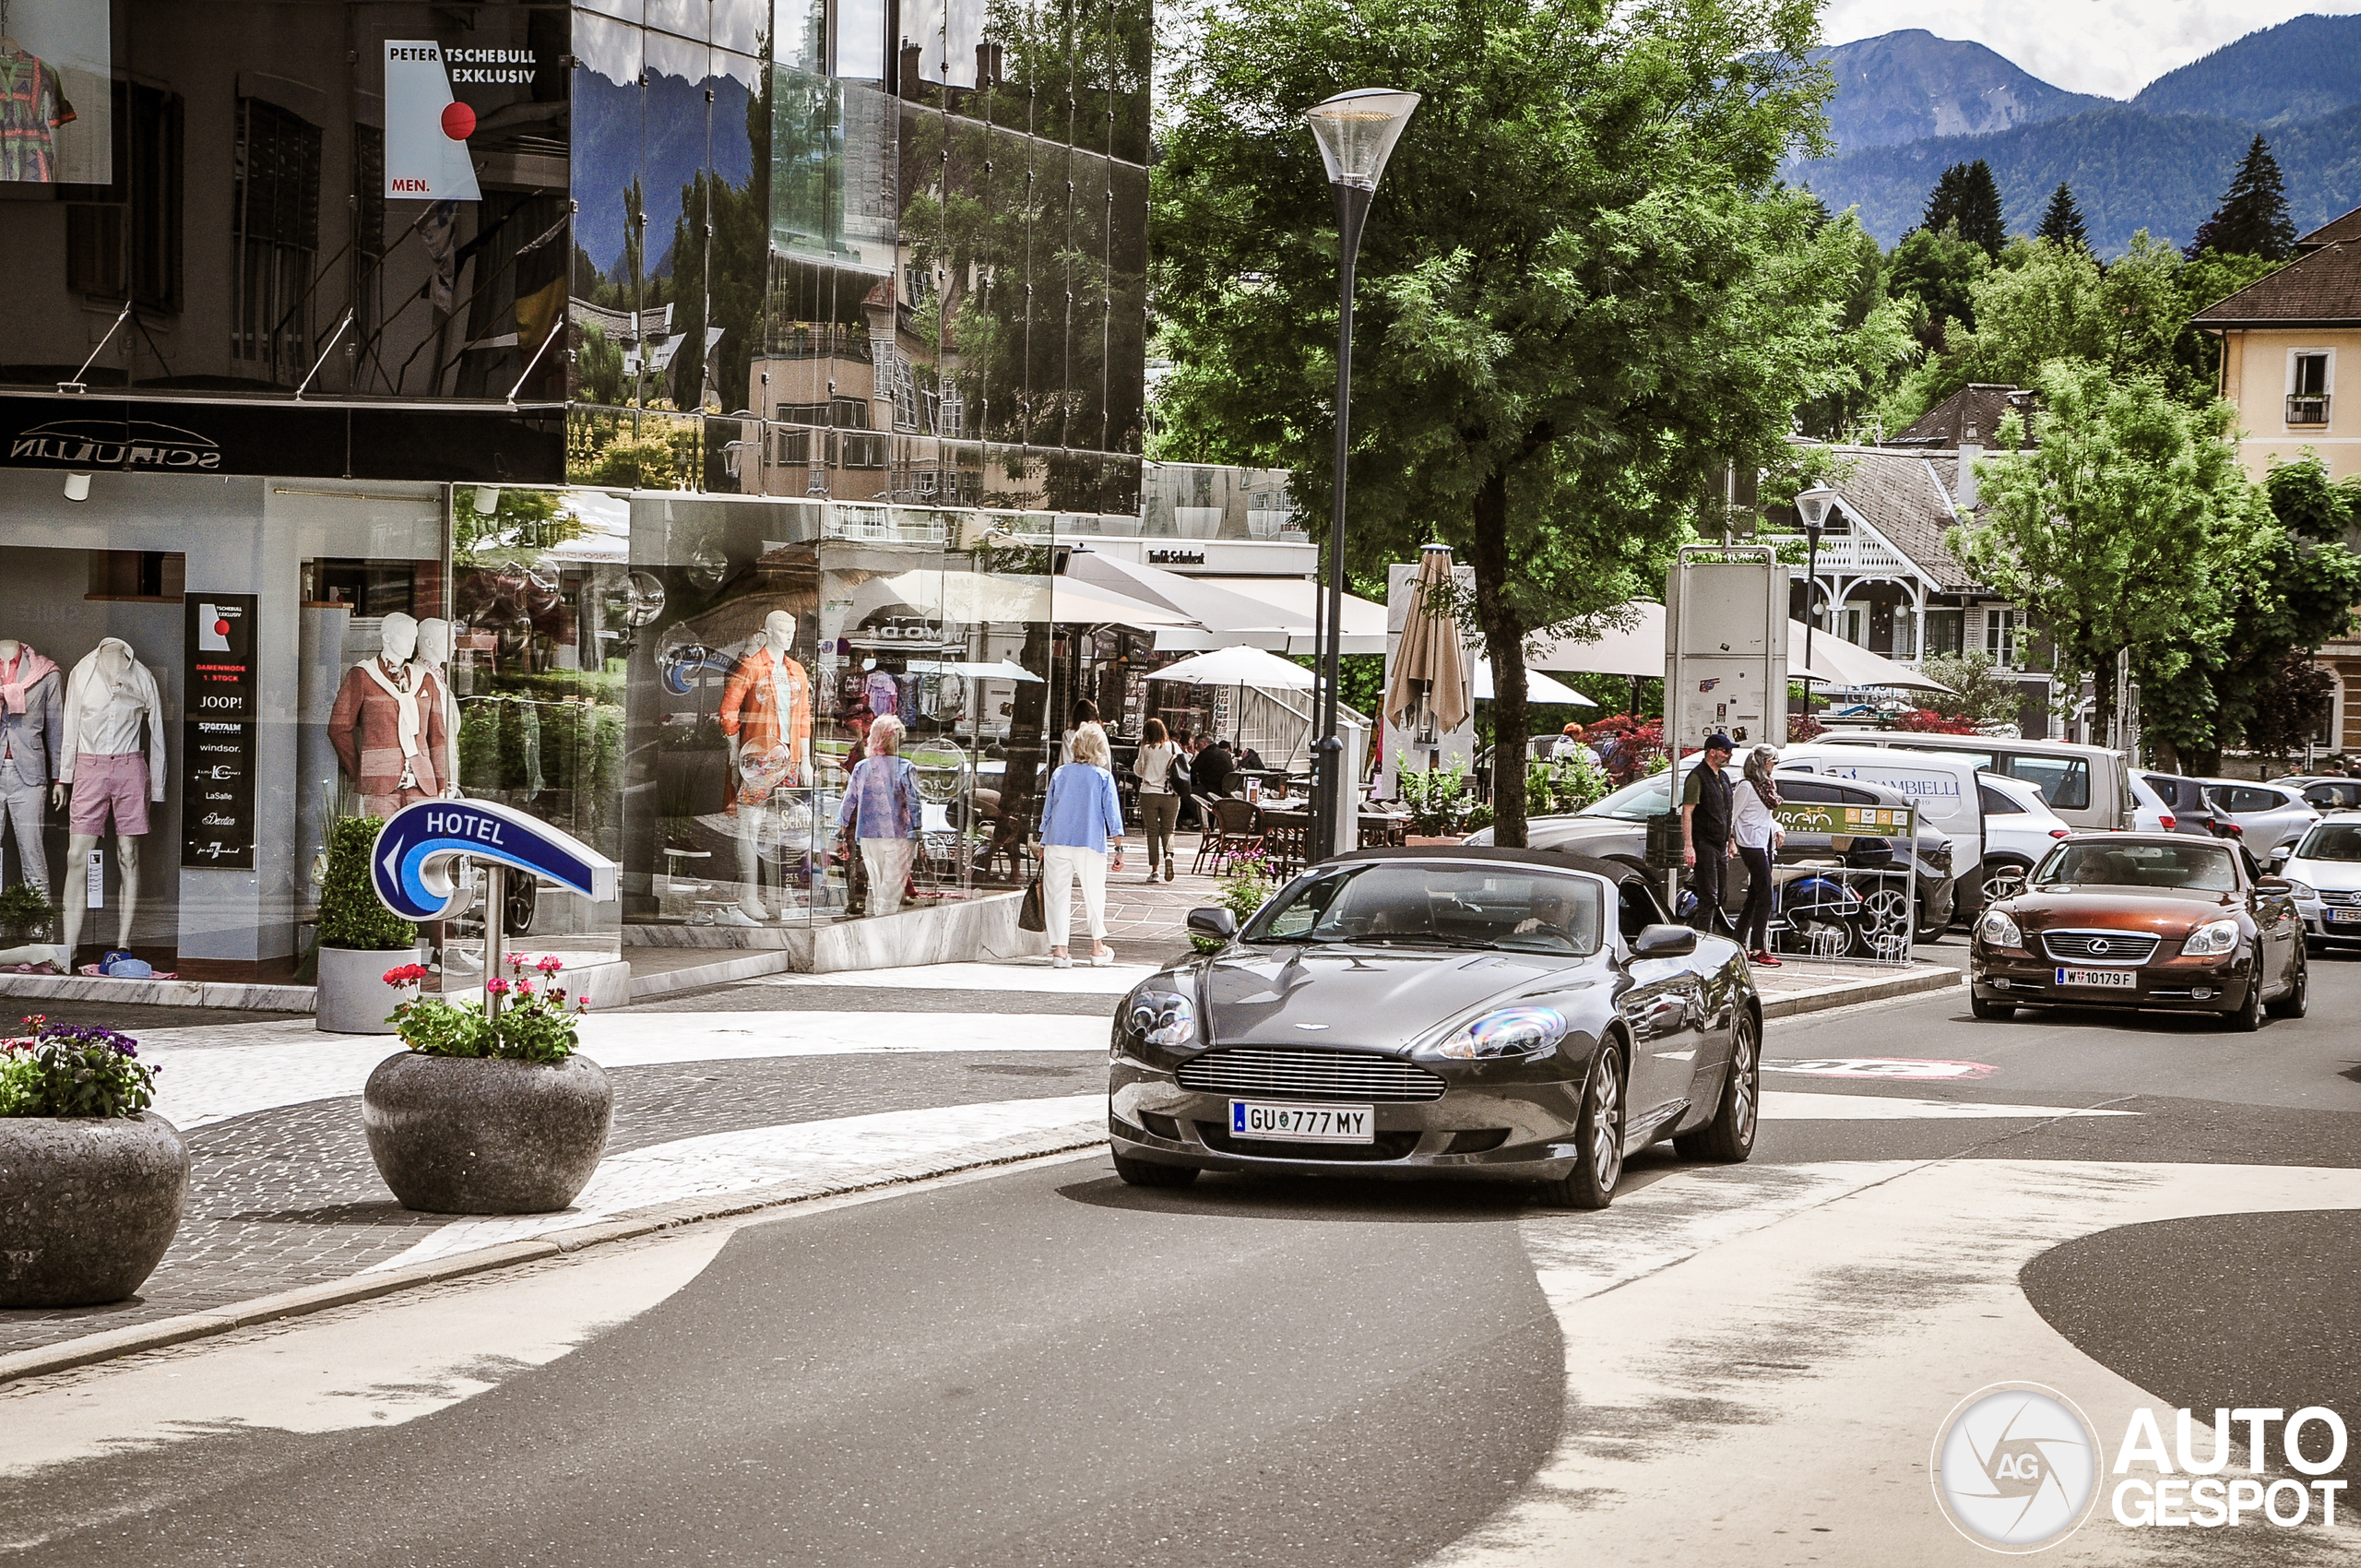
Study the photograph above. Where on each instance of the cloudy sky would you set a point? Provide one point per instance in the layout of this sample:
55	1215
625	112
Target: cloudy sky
2114	47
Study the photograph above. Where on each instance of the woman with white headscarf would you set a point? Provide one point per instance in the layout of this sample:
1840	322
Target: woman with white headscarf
1758	835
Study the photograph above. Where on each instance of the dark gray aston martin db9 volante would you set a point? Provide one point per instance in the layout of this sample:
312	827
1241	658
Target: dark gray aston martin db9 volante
1493	1013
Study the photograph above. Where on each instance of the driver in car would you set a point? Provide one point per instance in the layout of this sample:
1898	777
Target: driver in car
1552	911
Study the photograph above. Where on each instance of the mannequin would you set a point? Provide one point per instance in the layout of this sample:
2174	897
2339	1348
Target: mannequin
387	725
105	772
32	734
434	654
766	713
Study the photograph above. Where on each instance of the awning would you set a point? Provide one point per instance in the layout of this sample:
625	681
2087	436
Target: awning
1295	597
968	598
1639	650
1538	686
1234	618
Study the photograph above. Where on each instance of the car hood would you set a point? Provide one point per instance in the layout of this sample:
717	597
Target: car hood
1338	994
2165	910
2329	876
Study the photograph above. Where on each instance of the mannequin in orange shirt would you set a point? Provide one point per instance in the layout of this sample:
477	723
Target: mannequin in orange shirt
766	713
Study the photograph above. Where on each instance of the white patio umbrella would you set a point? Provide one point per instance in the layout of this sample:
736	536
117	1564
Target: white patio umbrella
1241	668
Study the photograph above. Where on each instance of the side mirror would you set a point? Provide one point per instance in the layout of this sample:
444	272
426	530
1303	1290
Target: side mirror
2273	883
1214	921
1664	942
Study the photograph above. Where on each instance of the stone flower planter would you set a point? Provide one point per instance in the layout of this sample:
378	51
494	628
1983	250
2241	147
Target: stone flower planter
87	1204
354	996
456	1134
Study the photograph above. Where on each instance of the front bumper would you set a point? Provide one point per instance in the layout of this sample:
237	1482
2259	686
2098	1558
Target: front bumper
1505	1132
2320	924
2169	984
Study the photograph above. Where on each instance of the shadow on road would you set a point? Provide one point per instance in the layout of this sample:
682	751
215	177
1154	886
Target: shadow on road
1258	1197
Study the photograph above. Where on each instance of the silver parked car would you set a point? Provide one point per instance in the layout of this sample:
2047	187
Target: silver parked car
2269	816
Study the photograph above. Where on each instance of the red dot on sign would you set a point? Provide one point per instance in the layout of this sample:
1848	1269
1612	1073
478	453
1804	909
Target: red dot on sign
458	122
220	628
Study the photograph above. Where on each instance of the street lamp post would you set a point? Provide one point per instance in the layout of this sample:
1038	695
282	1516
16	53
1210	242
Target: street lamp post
1356	132
1811	506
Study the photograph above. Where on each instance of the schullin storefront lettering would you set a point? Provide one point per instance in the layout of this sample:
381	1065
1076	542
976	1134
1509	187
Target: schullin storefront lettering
112	443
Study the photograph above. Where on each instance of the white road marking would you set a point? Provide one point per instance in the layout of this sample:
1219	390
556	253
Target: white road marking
1882	1067
1034	974
1759	1357
214	1078
837	1152
1781	1105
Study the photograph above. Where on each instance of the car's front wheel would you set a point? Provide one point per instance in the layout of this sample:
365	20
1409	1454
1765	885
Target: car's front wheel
1990	1012
2247	1017
1144	1173
1592	1183
1730	1136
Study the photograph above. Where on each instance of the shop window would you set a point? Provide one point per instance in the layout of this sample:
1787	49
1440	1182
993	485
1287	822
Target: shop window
275	238
126	239
137	574
864	451
370	588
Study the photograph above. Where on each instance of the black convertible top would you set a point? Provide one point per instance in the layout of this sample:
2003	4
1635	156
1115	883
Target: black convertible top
1615	872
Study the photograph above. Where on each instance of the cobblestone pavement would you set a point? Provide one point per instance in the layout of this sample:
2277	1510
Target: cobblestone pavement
289	1197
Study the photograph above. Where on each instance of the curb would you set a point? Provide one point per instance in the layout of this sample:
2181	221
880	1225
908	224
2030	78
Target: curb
1849	993
91	1348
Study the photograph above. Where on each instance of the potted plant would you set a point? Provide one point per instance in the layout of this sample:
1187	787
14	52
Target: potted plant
491	1111
91	1181
1244	887
1437	799
25	914
356	933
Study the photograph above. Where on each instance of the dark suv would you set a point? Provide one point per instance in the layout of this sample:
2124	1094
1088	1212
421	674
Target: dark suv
2193	811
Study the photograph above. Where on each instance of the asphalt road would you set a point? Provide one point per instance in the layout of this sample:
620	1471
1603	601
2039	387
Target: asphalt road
1048	1368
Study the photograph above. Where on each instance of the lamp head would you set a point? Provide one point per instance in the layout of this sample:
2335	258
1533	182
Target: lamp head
1357	132
1811	506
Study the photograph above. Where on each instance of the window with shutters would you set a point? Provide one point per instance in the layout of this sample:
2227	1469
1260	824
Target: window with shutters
274	242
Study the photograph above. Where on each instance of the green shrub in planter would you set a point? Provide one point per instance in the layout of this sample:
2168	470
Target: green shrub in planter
25	913
351	916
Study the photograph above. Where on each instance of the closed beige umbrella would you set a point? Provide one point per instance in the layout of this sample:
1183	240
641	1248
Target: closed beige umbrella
1430	663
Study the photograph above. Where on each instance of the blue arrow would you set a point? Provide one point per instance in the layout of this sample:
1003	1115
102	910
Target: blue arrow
409	863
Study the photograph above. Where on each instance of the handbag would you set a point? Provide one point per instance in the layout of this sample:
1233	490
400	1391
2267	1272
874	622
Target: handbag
1032	914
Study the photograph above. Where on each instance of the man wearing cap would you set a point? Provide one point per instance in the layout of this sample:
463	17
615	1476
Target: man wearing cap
1705	828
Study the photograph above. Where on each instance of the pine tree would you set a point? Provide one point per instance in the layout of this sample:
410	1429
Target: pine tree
2252	218
2061	221
1968	195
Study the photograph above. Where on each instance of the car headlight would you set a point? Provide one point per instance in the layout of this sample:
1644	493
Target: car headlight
2303	890
1999	930
1165	1019
2211	939
1511	1031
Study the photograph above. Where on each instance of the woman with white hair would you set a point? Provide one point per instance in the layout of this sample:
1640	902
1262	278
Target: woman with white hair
882	808
1758	835
1081	819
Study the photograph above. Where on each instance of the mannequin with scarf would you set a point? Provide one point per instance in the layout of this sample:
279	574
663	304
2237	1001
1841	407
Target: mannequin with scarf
434	657
33	726
111	766
387	726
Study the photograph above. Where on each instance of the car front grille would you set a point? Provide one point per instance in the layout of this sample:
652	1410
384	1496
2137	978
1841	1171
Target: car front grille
1386	1146
2101	946
2340	898
1308	1073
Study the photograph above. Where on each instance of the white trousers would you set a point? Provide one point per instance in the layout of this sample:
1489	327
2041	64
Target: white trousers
1061	865
887	861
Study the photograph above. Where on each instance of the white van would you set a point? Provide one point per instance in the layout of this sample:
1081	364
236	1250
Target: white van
1944	788
2090	787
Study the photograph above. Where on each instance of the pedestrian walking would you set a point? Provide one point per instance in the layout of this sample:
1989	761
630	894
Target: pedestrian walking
1758	835
1082	830
1159	803
1084	712
1182	785
883	814
1705	828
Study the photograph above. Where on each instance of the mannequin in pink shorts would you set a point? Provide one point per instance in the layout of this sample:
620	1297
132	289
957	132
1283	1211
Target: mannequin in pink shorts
106	773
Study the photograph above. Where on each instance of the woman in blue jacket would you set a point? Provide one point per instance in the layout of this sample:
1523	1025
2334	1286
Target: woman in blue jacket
1082	826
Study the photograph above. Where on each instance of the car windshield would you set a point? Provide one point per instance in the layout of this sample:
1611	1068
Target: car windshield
1650	797
1424	903
2203	867
2331	841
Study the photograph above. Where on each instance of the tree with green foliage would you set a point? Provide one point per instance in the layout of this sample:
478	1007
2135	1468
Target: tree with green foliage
1935	273
1584	291
1968	195
2252	218
2062	221
2129	527
1981	692
2300	593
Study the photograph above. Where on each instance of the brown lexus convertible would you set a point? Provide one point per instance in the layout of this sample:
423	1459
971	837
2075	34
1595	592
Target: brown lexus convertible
2143	920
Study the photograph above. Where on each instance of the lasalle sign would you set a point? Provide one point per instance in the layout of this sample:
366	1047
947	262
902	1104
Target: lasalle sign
410	863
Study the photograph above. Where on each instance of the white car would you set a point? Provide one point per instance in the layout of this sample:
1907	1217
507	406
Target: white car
2018	828
2151	812
2326	870
2272	816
